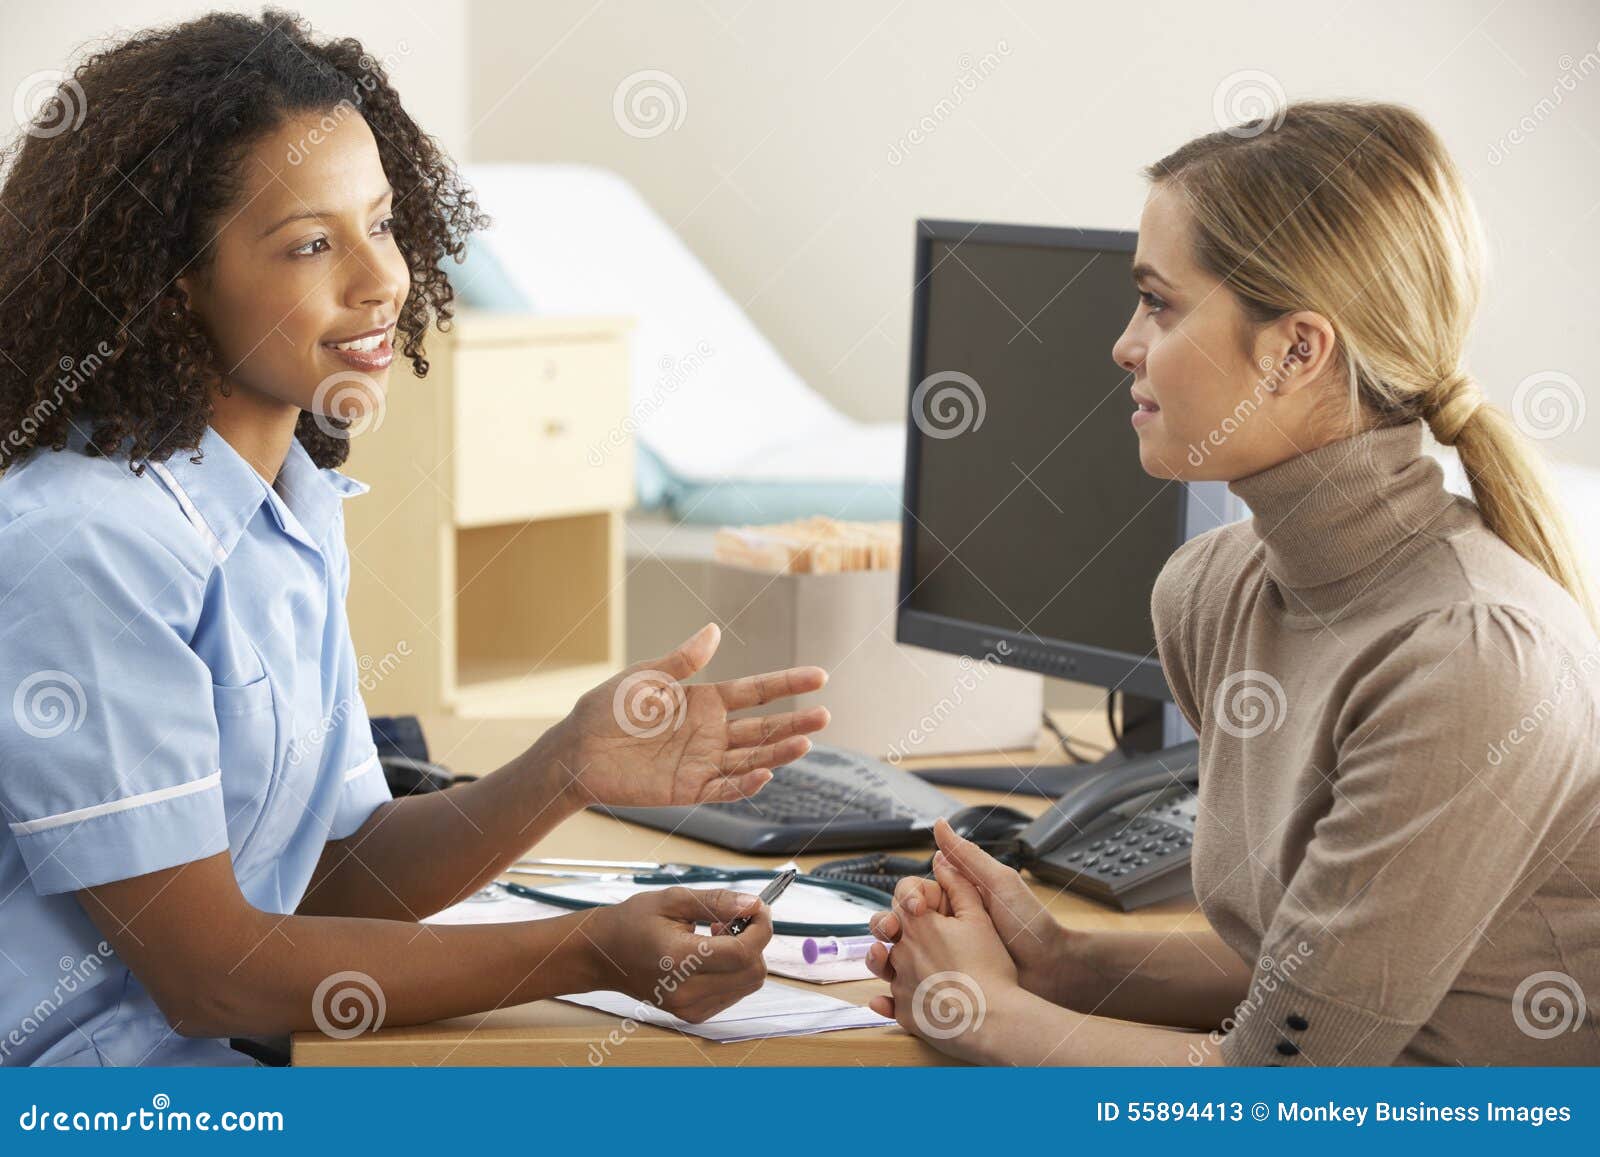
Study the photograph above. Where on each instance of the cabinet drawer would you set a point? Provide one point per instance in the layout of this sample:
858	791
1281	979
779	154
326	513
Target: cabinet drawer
537	428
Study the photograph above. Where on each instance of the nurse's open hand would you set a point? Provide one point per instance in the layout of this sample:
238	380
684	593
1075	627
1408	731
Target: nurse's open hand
648	947
647	738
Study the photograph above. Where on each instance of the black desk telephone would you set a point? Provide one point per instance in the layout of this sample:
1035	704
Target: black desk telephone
1123	836
1120	834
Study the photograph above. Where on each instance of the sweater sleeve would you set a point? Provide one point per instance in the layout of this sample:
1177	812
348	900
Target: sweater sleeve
1174	606
1465	774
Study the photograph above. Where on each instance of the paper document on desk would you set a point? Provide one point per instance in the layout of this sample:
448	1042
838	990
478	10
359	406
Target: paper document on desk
800	903
493	905
803	903
775	1010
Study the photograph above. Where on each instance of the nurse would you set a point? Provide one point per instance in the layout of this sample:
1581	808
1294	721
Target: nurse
197	841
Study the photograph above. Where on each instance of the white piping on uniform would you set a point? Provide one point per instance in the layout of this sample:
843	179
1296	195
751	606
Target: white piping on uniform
362	768
190	511
29	827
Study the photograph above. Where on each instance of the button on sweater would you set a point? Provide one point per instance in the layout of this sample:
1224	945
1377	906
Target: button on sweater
1399	769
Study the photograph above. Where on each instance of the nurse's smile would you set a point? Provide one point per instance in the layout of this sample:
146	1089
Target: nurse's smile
214	828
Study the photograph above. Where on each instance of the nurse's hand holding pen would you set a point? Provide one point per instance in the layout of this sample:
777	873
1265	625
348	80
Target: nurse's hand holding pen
650	948
219	967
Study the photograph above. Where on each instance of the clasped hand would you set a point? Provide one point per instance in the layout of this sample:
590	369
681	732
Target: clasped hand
964	944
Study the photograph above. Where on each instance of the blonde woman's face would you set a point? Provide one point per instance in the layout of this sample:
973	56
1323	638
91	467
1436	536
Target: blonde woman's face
1206	404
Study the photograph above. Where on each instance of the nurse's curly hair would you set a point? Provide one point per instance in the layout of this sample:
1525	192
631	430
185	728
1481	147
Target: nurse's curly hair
115	189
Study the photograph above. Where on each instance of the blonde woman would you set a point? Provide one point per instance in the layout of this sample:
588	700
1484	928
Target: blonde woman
1397	846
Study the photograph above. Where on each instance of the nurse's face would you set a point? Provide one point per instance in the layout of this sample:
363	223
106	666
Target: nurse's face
304	281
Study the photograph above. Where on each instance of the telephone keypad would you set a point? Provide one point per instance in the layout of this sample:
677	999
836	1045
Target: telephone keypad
1131	846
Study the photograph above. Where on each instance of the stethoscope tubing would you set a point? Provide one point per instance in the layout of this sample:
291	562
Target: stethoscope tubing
875	896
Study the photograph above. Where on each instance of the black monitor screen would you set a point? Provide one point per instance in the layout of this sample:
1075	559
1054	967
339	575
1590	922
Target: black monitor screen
1036	516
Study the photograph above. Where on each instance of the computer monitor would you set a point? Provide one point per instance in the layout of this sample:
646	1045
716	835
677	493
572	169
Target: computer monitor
1032	536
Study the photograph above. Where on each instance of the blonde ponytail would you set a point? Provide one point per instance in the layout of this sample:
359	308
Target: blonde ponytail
1510	485
1356	211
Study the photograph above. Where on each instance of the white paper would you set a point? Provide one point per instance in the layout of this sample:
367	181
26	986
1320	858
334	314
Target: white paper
784	956
494	906
801	902
776	1010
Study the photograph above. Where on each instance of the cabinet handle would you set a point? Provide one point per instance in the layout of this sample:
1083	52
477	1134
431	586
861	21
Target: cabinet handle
554	428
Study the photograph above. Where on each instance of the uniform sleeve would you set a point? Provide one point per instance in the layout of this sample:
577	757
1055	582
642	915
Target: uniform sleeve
109	755
363	788
1465	775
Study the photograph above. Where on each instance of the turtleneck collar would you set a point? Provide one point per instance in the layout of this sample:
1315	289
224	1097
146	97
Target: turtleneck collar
1331	519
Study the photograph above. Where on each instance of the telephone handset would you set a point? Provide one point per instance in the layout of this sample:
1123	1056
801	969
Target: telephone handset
1122	836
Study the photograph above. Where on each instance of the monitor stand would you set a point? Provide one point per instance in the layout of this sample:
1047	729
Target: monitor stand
1141	732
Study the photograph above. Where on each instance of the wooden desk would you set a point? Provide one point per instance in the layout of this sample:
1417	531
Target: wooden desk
550	1032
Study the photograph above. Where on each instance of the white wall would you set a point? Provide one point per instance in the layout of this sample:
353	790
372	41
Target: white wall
780	174
424	45
780	177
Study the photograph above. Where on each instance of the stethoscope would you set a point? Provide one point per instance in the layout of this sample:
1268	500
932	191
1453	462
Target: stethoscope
647	872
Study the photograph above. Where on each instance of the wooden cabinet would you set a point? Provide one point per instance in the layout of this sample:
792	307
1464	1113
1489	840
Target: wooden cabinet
486	573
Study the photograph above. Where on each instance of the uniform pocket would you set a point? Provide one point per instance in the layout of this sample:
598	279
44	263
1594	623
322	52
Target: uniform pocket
247	745
249	699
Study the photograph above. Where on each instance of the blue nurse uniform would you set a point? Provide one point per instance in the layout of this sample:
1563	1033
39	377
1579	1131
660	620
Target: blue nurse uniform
177	679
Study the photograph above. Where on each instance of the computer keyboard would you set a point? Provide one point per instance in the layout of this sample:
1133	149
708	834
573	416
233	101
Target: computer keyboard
827	800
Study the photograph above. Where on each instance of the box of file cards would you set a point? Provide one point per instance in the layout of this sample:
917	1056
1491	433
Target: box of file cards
822	591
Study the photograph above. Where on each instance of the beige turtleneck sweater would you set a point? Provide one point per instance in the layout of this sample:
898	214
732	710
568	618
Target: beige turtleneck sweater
1399	769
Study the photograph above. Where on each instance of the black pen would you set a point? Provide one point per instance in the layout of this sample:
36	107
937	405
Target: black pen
768	894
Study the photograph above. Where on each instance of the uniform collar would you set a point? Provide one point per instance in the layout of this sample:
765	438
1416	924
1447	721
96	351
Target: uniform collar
221	493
